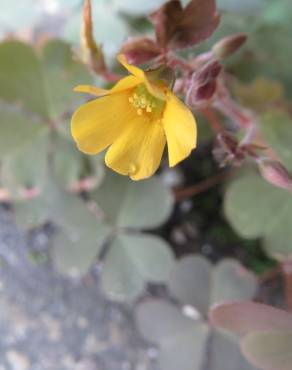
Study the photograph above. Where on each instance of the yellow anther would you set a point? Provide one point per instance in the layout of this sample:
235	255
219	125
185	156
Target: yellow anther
144	103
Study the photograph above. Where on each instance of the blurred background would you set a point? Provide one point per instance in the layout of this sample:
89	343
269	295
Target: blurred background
61	307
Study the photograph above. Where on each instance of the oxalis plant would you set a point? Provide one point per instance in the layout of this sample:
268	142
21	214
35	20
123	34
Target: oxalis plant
171	89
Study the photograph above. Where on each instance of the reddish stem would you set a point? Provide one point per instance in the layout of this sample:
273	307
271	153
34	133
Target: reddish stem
174	61
230	109
224	103
201	187
210	115
271	274
287	276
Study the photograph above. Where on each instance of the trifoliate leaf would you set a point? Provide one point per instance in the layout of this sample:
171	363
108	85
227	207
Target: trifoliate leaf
257	209
125	202
132	261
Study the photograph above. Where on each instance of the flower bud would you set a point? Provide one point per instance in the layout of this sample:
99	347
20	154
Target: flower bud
275	173
204	84
229	45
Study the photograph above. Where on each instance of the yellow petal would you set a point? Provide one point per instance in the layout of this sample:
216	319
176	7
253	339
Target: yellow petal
180	129
138	151
93	90
158	90
139	73
124	84
97	124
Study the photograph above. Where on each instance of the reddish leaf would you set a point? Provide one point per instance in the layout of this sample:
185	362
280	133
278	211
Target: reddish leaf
177	27
140	50
248	317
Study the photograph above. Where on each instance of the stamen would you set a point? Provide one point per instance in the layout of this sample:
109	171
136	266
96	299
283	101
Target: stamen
144	102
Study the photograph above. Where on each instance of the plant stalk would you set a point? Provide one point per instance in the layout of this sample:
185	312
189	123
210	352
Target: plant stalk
287	276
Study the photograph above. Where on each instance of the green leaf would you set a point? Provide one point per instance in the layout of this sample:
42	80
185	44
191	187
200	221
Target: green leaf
190	281
248	204
68	162
97	168
67	211
269	350
129	204
277	129
26	167
194	281
62	74
76	252
30	213
257	209
132	261
185	343
224	352
21	79
231	281
181	340
17	128
81	235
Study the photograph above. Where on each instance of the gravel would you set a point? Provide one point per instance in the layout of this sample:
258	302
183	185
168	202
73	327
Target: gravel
52	322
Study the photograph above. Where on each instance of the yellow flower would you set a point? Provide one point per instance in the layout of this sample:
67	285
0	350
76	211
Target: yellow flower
135	119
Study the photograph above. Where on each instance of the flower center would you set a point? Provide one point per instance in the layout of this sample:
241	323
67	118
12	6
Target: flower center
145	103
